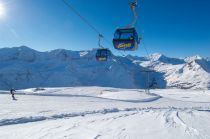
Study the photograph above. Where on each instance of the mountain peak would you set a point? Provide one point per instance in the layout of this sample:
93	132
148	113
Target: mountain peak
193	58
156	56
23	48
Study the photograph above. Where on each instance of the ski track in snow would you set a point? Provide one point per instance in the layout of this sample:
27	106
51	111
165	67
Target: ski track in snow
51	94
160	113
167	114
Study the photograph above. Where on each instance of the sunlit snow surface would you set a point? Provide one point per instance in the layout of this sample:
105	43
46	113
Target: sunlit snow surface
105	113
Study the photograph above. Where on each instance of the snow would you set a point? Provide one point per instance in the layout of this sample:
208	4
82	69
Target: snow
64	68
105	113
22	67
71	95
192	58
189	73
129	96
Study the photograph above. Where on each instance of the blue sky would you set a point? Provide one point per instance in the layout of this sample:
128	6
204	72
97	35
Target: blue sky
176	28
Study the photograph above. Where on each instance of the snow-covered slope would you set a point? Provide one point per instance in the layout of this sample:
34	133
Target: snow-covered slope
191	72
22	67
105	113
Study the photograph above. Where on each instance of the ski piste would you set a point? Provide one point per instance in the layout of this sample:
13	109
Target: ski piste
89	112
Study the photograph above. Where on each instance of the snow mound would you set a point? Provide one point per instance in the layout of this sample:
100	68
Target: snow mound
129	96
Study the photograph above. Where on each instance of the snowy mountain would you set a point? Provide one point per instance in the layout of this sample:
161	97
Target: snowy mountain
22	67
190	72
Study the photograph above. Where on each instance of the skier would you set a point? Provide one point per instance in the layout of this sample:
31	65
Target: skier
12	93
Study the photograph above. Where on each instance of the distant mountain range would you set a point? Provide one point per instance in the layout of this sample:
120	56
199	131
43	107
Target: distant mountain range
23	67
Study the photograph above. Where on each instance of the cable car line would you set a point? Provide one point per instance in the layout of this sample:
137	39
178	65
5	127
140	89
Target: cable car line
102	53
125	39
132	30
79	15
67	3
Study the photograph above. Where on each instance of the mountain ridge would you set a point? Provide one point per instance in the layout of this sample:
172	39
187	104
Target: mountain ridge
23	67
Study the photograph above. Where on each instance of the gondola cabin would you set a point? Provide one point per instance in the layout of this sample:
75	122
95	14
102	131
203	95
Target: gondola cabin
103	54
126	39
